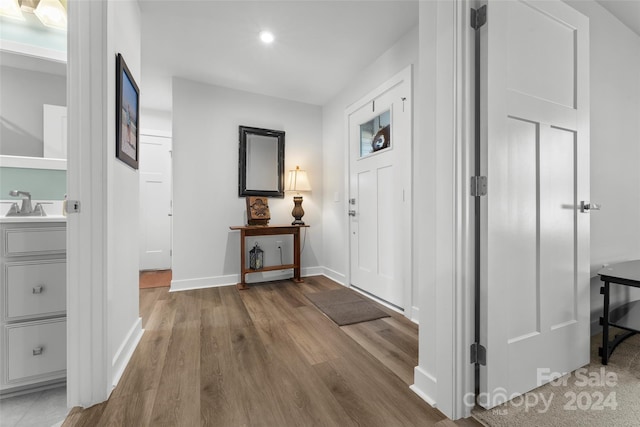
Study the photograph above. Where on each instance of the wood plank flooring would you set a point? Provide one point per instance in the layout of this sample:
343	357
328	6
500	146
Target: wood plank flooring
155	279
263	357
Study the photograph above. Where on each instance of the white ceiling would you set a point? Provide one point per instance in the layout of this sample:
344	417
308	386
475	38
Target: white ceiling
627	11
319	46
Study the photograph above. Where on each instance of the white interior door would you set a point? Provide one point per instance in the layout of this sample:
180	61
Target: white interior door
155	202
380	189
535	239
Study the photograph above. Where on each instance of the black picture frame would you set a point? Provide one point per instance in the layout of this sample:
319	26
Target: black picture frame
127	115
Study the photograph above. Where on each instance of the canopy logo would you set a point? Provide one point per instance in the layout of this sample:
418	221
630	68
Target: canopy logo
589	391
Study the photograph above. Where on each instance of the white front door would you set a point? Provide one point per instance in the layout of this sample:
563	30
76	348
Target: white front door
535	239
380	191
155	202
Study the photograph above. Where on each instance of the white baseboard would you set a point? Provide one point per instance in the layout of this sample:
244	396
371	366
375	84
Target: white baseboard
312	271
415	315
204	282
124	353
425	386
233	279
334	275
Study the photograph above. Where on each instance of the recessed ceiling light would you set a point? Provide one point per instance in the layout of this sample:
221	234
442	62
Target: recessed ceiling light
266	37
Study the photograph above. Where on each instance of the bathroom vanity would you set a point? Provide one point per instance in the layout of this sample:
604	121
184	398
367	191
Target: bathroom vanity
33	282
33	270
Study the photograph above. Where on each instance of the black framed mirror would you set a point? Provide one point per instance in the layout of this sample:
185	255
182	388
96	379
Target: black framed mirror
261	162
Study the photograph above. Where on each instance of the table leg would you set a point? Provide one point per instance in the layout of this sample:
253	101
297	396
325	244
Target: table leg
296	256
604	350
242	284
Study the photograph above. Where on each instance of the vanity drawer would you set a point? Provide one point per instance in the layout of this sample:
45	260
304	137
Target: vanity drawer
35	288
35	349
34	241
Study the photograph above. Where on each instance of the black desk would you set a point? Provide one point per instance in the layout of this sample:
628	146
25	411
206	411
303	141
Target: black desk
627	316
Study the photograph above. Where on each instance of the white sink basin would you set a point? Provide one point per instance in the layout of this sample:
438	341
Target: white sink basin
52	209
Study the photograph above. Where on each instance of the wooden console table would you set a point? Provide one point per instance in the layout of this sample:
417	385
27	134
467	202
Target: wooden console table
269	230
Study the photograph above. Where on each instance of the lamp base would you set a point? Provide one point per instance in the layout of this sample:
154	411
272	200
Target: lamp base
297	212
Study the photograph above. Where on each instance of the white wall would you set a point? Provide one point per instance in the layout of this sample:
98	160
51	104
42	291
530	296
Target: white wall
334	215
443	159
615	147
103	326
205	181
151	119
122	200
425	196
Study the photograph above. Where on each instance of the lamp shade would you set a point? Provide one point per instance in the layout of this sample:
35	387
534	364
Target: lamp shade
298	180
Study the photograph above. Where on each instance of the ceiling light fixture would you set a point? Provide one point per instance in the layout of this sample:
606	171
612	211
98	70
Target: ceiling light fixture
28	5
11	9
52	14
266	37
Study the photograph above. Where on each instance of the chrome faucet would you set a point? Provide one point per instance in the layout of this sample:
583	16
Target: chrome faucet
26	207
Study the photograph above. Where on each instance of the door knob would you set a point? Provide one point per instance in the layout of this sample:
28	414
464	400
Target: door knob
352	212
588	206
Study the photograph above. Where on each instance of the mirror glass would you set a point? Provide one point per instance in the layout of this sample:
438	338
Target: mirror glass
32	110
261	166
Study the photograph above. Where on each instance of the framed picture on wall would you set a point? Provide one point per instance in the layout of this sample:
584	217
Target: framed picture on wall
127	114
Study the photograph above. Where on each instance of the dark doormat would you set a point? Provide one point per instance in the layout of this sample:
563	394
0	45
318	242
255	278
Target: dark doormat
345	307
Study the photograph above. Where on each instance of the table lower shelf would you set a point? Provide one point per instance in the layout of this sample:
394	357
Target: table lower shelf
269	268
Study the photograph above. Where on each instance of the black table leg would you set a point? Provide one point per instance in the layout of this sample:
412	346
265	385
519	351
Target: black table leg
604	350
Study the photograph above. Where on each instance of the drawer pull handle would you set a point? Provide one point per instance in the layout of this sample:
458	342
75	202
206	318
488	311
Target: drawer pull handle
38	289
38	351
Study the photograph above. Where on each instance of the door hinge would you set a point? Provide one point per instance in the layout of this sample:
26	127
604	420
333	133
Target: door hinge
73	206
478	354
478	17
478	186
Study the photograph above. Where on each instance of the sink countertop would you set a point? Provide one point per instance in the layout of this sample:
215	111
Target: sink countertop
30	219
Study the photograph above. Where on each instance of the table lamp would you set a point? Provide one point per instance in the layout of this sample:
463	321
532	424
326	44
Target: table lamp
298	181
